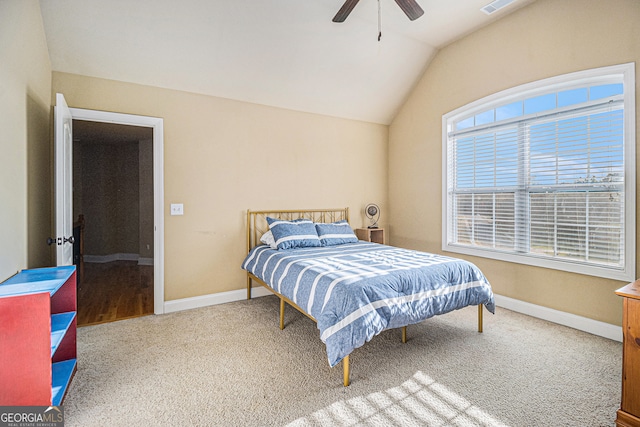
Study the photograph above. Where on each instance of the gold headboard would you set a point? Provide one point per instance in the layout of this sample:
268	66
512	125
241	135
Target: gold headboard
257	220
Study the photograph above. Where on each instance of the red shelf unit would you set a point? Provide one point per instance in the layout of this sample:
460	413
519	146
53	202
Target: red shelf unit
38	335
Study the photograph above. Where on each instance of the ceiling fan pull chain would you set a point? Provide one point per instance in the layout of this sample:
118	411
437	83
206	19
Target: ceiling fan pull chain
379	24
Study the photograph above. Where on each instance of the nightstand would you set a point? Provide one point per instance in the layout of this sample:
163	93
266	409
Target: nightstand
375	235
629	413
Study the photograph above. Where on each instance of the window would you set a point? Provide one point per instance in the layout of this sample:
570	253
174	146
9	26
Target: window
544	174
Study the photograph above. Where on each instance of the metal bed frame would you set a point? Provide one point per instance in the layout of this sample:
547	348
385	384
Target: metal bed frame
257	225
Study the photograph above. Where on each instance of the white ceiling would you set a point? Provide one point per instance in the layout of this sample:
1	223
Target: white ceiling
283	53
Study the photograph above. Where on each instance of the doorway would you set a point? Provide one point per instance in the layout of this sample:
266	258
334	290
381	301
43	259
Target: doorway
113	212
118	188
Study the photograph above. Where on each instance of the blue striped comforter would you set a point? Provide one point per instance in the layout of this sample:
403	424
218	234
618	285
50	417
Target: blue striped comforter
355	291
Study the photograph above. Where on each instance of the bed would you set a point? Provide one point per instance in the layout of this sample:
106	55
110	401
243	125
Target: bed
353	289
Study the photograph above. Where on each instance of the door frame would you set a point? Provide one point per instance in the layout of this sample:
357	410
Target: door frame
157	124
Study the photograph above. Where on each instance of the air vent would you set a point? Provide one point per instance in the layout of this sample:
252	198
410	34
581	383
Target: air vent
495	6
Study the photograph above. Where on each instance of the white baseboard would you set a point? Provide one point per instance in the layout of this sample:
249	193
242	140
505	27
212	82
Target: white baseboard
585	324
111	257
213	299
100	259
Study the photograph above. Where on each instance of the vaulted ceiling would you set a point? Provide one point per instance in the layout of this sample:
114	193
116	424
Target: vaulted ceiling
283	53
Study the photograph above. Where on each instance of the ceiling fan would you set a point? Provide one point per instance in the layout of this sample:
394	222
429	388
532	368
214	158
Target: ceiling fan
410	7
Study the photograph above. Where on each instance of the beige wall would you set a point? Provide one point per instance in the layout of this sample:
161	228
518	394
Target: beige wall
222	157
25	163
547	38
107	193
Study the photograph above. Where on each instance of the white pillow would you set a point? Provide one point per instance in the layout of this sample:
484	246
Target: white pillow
267	239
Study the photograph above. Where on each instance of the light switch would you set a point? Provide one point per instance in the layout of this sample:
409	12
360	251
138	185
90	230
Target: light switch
177	209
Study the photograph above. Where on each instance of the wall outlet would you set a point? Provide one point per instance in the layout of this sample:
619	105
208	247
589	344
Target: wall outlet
177	209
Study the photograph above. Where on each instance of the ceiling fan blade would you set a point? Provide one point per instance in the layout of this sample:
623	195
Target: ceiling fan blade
345	10
411	8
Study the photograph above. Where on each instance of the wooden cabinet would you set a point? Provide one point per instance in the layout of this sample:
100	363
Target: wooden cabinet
629	413
38	336
375	235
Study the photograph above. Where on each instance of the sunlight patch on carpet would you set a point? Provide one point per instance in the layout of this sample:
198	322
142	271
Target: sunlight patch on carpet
418	401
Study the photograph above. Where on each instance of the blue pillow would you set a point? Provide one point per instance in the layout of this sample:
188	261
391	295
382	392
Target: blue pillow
299	233
336	233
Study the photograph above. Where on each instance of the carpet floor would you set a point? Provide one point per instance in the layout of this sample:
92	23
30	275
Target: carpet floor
230	365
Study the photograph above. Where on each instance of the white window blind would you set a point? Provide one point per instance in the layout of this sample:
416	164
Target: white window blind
541	175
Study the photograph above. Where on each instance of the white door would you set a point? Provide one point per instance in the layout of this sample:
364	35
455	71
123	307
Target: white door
63	182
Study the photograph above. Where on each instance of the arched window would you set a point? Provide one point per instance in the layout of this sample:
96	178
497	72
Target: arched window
544	174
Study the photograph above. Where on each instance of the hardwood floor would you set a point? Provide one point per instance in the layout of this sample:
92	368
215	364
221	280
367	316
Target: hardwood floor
114	291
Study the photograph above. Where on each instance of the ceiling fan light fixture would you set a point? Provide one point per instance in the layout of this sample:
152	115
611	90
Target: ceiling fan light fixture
411	8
